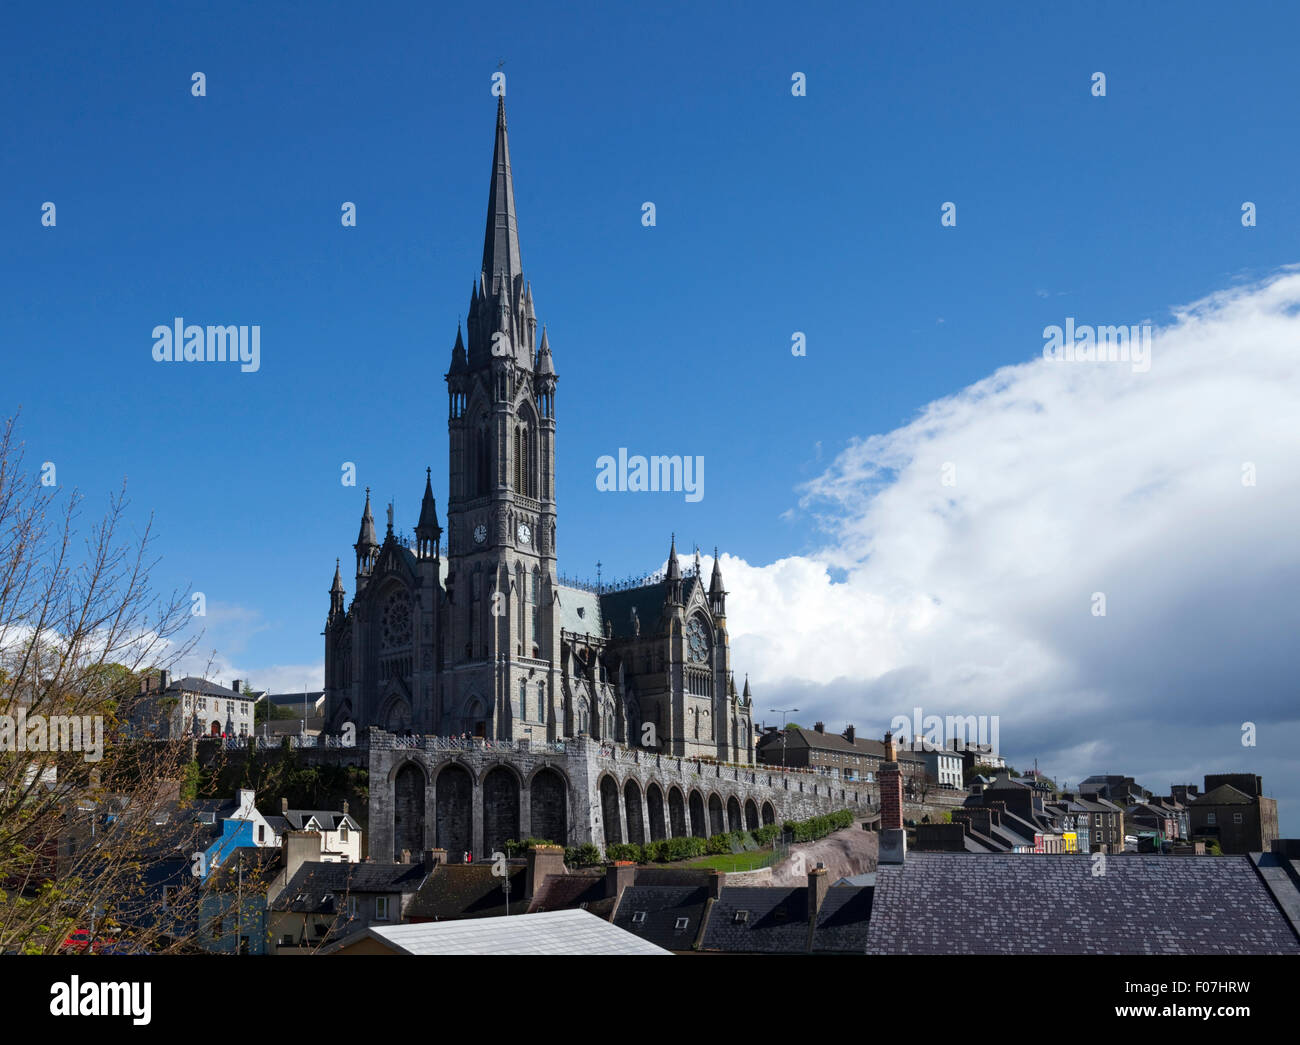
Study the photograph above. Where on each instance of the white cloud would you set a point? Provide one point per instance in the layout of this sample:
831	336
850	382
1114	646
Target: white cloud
1071	479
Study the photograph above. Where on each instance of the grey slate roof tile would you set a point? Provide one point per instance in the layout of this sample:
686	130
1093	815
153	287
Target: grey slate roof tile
953	903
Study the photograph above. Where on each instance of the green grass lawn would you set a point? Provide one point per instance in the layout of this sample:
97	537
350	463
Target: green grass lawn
750	861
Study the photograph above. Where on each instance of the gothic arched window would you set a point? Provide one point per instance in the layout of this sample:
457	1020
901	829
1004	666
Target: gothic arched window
541	702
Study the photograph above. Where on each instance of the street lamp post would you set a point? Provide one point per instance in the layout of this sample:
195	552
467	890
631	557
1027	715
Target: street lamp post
783	713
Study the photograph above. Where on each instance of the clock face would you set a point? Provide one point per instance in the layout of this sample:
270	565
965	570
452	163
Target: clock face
480	533
697	641
525	533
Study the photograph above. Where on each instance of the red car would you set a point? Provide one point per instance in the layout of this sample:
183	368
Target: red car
79	940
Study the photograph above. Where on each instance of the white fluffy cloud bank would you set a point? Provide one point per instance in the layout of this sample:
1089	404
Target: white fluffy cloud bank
1065	480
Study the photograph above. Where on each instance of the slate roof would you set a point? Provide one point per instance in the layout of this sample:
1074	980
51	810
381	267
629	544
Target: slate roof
953	903
664	907
573	599
290	700
1223	795
774	920
328	819
316	888
844	921
649	603
204	688
834	742
551	932
467	891
578	889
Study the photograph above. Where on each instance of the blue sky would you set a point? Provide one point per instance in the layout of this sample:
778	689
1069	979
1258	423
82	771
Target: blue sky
775	214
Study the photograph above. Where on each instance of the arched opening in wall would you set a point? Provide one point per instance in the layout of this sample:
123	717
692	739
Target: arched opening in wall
733	815
500	810
454	799
397	716
751	815
717	824
769	814
548	806
408	811
632	807
676	814
215	728
699	826
654	800
475	719
609	810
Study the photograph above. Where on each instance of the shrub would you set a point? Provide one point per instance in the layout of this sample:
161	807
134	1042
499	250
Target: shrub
584	855
717	845
624	851
514	848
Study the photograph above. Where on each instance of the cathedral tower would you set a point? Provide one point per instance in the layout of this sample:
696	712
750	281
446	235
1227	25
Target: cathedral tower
501	634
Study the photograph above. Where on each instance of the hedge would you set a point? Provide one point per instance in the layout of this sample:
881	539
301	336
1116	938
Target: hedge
671	850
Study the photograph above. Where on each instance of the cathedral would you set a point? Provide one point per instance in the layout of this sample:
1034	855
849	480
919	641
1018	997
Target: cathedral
492	643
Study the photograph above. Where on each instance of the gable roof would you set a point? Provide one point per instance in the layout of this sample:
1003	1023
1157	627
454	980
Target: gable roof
327	819
668	916
317	888
863	746
468	891
953	903
204	688
1223	795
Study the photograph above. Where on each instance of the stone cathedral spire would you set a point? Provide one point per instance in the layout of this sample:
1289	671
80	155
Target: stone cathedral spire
501	263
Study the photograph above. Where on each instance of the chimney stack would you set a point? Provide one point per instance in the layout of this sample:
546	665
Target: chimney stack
618	876
345	807
893	839
235	685
432	858
542	860
299	848
164	679
717	880
818	882
284	805
850	734
820	727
